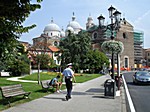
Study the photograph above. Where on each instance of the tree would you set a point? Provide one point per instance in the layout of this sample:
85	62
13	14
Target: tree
40	49
18	63
96	60
45	61
12	14
75	48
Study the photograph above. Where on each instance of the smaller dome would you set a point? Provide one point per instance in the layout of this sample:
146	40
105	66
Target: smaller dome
52	27
75	25
62	34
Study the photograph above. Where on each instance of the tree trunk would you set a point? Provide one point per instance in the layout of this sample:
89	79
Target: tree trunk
38	72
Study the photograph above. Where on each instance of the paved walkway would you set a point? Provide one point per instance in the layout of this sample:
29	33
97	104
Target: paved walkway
86	97
18	79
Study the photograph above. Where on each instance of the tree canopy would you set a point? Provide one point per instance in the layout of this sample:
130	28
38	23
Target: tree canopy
96	61
77	50
74	49
12	14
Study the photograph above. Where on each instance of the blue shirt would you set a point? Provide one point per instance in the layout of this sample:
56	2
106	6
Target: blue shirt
53	80
68	72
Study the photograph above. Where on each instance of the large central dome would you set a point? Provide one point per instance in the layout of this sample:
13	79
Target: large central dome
51	27
52	30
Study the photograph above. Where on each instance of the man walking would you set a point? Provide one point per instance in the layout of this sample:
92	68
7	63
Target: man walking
68	74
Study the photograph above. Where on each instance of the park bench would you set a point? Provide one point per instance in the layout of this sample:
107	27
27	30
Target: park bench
12	91
46	85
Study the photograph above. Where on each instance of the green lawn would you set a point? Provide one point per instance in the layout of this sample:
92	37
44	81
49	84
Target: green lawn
36	89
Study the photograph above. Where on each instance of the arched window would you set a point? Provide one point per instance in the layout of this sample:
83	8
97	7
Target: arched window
55	43
95	35
124	35
126	62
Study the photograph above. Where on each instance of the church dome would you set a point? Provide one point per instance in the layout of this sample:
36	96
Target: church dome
74	24
62	33
52	27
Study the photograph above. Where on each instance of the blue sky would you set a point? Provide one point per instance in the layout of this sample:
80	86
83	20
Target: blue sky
137	12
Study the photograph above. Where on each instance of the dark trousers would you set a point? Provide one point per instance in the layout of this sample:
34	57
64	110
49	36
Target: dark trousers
68	86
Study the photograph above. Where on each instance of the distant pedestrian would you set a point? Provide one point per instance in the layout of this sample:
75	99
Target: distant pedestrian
109	70
68	74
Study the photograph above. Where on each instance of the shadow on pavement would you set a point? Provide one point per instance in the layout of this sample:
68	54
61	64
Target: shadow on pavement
105	97
96	90
80	93
55	98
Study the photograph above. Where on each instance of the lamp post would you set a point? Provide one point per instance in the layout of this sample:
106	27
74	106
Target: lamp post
113	47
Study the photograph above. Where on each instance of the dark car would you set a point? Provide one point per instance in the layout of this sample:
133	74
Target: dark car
141	77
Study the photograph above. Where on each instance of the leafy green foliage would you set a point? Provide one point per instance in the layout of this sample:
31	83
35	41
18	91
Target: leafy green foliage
12	14
45	61
96	60
19	62
19	67
75	48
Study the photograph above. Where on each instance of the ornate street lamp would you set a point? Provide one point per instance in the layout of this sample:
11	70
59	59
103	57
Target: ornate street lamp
112	46
101	20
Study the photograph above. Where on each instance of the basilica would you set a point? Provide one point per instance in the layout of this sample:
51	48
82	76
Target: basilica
52	34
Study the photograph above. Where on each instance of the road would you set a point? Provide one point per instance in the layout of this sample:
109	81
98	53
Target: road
140	94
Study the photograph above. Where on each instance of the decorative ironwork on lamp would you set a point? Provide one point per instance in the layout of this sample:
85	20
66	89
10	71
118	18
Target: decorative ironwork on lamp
112	46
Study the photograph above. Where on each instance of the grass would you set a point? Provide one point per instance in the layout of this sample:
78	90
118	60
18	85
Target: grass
36	89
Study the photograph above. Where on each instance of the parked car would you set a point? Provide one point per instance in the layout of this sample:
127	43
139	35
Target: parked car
141	77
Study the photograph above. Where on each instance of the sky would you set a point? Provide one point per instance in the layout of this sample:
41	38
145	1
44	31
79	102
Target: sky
136	12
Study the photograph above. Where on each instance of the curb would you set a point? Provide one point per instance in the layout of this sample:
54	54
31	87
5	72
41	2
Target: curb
123	100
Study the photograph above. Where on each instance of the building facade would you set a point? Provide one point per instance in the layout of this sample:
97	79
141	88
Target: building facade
132	40
49	40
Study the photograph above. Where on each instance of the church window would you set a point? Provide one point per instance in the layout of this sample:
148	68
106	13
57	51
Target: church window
95	35
126	62
55	43
124	35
